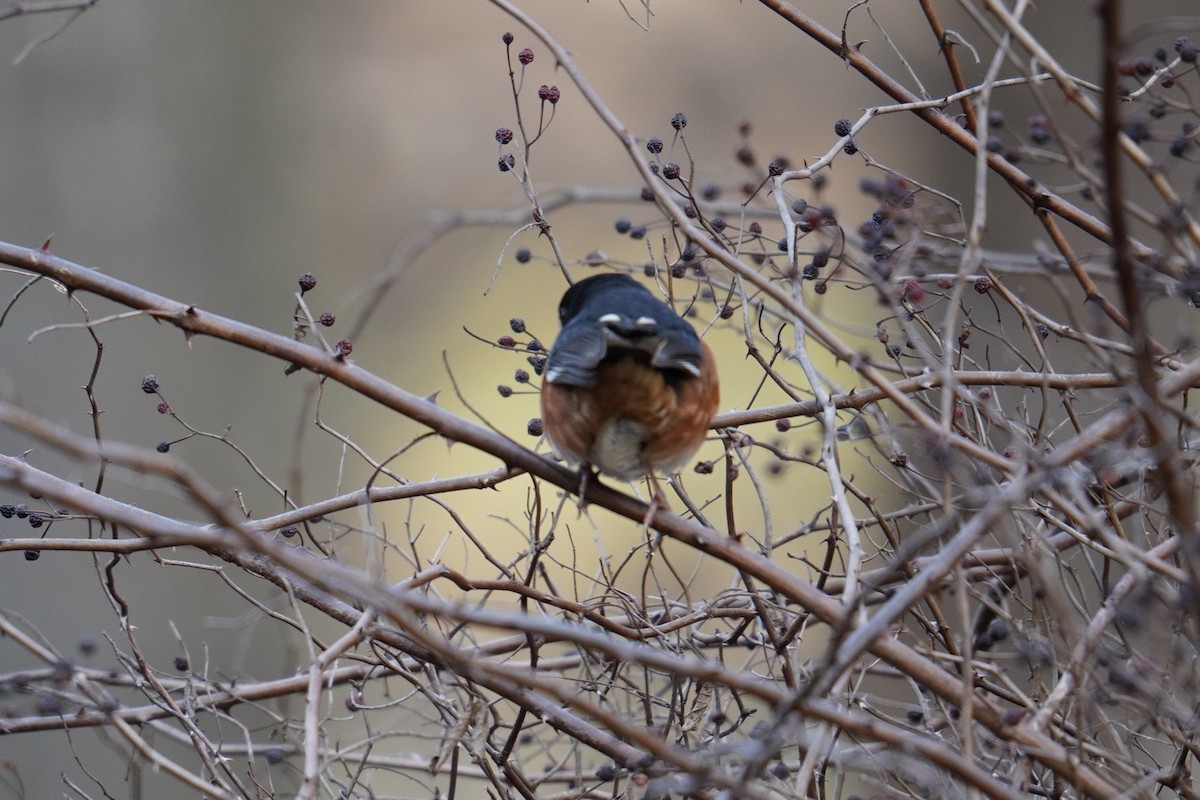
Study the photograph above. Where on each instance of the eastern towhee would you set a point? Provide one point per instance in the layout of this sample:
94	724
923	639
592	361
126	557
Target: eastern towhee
629	388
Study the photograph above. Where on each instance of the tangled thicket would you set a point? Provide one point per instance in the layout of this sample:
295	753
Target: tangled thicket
998	595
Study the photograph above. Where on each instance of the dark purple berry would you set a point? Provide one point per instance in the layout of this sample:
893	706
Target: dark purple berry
534	428
22	511
327	319
307	282
506	341
505	391
164	408
995	118
983	284
535	346
548	93
783	425
36	520
507	38
679	122
776	167
517	325
344	347
710	191
654	145
850	147
506	163
523	255
637	232
623	225
521	376
289	532
670	171
1186	49
810	272
504	135
525	56
181	663
843	127
8	510
163	447
149	384
32	555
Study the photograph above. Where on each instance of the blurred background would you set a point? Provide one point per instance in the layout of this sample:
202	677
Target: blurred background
213	152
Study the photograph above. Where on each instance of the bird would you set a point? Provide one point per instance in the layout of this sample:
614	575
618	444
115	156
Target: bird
628	387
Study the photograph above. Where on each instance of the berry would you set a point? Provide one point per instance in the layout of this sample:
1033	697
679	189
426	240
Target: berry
521	376
850	147
36	520
548	93
506	163
506	341
637	232
670	171
983	284
344	347
810	272
289	532
163	447
523	255
535	346
181	663
505	391
783	425
776	167
517	325
710	191
534	428
623	225
1186	49
654	145
679	122
525	56
22	511
164	408
647	194
307	282
7	510
149	384
32	555
843	127
327	319
504	135
995	118
507	38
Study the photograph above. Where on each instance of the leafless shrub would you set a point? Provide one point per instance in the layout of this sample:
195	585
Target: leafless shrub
997	599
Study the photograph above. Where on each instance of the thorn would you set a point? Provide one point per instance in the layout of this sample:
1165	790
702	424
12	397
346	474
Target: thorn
45	248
